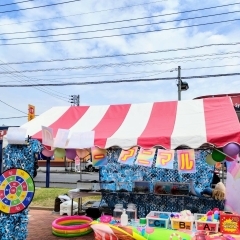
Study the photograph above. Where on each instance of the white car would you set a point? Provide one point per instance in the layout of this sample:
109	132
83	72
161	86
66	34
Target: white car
89	166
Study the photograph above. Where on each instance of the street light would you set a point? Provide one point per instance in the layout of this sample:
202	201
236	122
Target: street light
184	86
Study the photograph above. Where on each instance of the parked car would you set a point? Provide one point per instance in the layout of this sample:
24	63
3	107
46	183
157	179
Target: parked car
89	166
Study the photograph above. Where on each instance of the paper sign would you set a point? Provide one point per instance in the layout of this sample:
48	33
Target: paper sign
186	161
99	157
61	138
47	136
16	135
128	156
145	157
165	159
81	140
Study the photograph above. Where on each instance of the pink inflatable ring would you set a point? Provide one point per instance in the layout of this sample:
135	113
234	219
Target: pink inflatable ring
71	226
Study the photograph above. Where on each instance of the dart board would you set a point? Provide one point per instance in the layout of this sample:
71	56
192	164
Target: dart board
16	190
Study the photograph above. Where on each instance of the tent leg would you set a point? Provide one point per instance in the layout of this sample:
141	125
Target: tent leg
47	173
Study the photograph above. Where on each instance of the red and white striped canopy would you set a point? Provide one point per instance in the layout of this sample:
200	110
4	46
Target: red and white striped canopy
168	124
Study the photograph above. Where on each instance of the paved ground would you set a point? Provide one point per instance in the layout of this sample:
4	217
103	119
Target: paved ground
40	223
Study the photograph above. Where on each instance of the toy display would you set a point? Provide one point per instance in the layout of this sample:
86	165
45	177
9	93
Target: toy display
184	225
171	188
141	187
218	193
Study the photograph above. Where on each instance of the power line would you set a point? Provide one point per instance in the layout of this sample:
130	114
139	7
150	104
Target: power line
131	73
118	35
127	54
93	76
230	65
125	20
12	107
19	77
104	10
123	80
12	117
48	5
15	3
117	28
126	64
169	14
163	59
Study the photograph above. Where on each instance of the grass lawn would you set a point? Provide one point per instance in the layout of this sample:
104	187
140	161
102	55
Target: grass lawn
45	197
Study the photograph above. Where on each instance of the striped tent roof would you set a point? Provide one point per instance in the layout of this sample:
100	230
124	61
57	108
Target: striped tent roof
168	124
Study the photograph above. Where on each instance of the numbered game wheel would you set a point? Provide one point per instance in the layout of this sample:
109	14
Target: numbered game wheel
16	190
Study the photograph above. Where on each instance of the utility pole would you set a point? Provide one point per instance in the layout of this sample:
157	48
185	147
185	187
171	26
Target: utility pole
75	100
179	83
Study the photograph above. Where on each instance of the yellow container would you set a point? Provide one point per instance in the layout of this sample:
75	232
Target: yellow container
180	224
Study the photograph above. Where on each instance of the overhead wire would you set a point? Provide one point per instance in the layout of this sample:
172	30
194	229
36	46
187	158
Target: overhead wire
167	14
118	35
13	3
118	28
48	5
110	65
126	20
162	59
12	107
123	80
126	54
227	65
73	15
12	117
20	79
133	73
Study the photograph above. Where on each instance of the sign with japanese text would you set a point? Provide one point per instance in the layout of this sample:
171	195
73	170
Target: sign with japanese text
165	159
99	157
128	156
31	112
145	157
186	161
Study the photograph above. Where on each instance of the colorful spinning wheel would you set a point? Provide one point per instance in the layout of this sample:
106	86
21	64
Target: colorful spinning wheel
16	190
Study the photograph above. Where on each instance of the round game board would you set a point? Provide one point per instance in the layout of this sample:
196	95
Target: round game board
16	190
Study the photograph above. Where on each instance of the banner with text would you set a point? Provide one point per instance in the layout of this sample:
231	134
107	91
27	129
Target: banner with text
99	157
165	159
186	161
145	157
128	156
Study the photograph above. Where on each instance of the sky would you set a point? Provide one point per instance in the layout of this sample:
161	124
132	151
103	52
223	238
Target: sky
222	59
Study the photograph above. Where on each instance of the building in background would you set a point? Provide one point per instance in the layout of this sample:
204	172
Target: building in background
235	99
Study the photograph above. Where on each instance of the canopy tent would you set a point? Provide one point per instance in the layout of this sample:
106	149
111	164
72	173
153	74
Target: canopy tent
191	123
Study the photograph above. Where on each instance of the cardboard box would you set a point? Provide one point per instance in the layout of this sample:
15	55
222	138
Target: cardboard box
229	223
